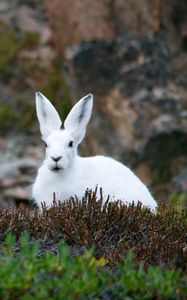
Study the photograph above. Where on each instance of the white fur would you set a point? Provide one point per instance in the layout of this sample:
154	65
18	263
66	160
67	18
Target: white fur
75	173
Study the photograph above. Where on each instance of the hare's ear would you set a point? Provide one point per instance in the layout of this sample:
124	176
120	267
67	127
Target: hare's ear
47	115
79	117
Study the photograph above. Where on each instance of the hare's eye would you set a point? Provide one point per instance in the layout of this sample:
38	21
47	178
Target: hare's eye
70	144
45	144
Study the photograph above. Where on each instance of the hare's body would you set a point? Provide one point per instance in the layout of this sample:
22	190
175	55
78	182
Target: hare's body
115	179
65	174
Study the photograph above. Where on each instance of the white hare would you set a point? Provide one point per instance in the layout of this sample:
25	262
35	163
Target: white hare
65	174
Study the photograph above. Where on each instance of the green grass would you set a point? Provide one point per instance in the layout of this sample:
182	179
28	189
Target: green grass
24	274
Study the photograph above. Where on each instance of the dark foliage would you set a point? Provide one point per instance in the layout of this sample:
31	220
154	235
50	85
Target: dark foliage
111	228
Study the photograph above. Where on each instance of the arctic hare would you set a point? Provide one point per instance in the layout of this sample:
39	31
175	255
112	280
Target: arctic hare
65	174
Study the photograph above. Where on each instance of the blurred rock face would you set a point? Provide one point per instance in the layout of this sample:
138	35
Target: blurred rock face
83	20
140	107
76	21
131	55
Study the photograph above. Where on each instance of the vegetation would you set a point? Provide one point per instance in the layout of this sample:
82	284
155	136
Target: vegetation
11	43
24	275
113	229
22	75
90	250
7	115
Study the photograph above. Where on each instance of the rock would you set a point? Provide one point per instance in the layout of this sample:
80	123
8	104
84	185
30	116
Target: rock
111	20
6	11
93	64
140	111
17	175
2	143
27	36
120	51
6	203
92	20
44	54
4	6
144	173
27	19
179	182
8	169
13	181
17	193
14	168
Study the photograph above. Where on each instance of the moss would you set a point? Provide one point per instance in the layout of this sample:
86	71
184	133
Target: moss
55	88
8	117
31	39
23	77
21	113
50	82
10	44
179	200
30	69
27	113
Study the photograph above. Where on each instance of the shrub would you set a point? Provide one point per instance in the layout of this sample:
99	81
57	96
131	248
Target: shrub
27	276
111	228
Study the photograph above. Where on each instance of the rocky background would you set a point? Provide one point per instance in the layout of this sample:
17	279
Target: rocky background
132	55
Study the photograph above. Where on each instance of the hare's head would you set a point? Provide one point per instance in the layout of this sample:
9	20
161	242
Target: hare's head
61	143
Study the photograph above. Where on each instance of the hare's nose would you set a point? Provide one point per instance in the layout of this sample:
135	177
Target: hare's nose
56	158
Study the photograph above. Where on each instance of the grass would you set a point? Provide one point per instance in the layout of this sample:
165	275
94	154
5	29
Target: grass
24	275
